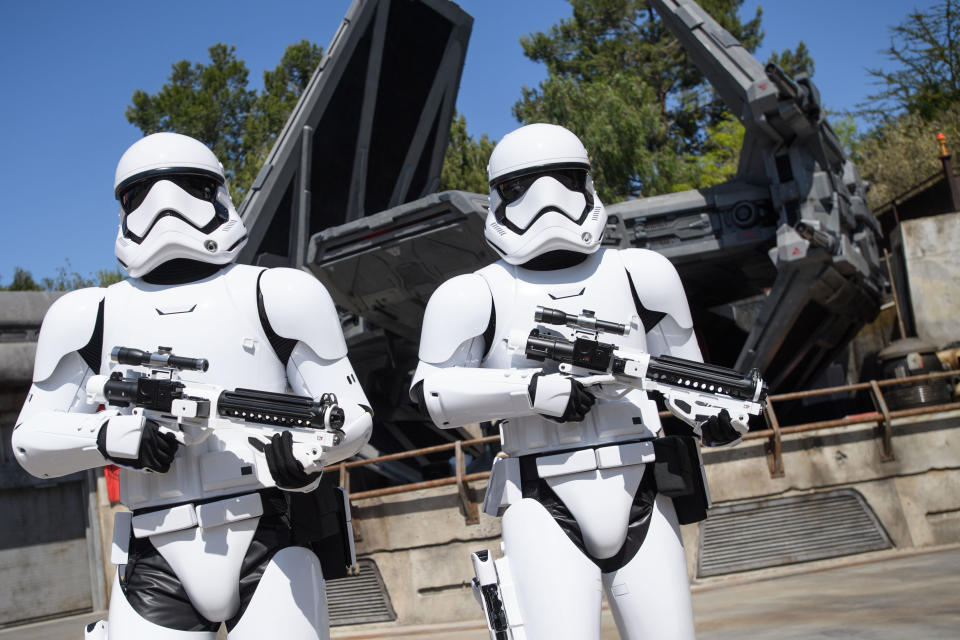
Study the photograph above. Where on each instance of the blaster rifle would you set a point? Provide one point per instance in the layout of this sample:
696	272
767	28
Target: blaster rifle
192	411
694	391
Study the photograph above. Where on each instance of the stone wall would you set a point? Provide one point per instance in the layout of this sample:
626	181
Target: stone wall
421	543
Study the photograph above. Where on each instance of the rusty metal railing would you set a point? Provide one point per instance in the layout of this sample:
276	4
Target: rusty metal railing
773	434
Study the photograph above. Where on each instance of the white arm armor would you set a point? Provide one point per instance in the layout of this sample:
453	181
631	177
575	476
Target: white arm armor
56	431
455	390
659	289
299	307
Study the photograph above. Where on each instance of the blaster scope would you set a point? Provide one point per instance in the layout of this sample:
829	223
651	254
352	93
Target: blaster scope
162	357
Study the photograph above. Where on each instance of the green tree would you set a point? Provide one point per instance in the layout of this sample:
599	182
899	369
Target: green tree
209	102
22	281
902	153
925	50
66	279
212	103
465	161
718	161
621	81
619	122
282	88
793	61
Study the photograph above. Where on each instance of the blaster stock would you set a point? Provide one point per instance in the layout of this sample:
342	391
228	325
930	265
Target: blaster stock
192	411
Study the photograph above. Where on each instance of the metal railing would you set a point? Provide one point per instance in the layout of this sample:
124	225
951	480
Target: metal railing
774	433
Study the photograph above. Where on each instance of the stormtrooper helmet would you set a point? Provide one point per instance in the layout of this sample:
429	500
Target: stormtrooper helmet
174	203
541	195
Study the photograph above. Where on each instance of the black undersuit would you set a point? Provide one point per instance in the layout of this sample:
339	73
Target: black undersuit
155	592
641	510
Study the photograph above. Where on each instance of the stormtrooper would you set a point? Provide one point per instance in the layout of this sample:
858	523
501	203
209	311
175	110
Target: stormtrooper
579	500
219	529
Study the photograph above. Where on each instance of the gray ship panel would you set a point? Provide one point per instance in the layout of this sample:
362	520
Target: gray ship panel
369	132
384	267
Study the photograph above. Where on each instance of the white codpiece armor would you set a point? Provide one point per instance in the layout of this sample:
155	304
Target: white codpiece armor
208	538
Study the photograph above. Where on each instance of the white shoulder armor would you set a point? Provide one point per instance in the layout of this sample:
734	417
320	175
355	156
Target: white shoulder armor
299	308
458	310
657	284
67	327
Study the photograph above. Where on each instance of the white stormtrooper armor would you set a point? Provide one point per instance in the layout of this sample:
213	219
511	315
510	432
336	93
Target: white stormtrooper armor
206	541
579	506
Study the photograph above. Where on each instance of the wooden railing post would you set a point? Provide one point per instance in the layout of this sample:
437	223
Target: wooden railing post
345	478
471	515
886	428
774	445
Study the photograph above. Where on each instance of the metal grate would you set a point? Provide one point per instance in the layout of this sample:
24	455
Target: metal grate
769	533
360	598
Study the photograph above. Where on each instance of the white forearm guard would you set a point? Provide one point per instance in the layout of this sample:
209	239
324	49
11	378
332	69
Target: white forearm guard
456	396
50	444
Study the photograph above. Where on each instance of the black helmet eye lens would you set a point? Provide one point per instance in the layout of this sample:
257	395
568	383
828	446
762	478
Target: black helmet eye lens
202	187
512	189
573	179
199	187
133	196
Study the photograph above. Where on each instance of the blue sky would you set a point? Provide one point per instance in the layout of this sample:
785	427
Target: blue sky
68	69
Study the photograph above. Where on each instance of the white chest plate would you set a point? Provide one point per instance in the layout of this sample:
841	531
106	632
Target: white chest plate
216	319
598	284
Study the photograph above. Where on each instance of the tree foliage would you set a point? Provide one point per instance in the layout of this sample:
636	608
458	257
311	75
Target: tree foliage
718	161
209	102
793	61
919	97
904	152
621	81
465	161
282	88
925	49
65	280
212	103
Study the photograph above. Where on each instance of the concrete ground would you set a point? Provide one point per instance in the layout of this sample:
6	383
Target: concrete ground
888	596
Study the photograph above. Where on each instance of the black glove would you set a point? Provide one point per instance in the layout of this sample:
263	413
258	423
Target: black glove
156	450
717	430
579	402
286	470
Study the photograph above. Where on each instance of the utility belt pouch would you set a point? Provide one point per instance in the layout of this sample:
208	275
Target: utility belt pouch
320	520
678	472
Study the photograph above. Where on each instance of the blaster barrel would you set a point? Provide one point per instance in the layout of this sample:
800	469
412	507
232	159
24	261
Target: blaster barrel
707	377
163	357
280	409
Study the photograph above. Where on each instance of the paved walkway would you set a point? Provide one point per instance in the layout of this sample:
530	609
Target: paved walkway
894	596
915	597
